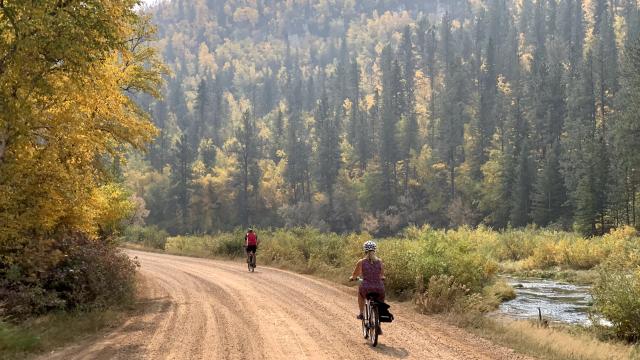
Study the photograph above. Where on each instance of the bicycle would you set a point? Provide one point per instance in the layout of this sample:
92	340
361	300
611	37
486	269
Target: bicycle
371	318
251	260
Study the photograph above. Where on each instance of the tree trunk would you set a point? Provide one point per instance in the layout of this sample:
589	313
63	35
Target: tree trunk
633	203
406	177
3	145
628	190
432	121
245	190
453	179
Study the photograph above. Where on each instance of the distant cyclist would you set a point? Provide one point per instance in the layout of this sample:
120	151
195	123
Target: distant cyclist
371	270
251	242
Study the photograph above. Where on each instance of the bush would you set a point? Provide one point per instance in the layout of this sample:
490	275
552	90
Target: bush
92	274
616	297
442	295
148	236
531	249
223	244
501	291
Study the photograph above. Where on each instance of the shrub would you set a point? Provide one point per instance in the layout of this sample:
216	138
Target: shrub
442	295
92	274
148	236
501	291
616	297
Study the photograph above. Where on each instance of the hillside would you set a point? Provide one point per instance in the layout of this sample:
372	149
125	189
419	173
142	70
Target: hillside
371	115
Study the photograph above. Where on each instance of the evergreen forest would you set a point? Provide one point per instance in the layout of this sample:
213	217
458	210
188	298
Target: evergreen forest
352	115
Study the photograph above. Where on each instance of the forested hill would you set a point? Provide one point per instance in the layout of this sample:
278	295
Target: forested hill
373	115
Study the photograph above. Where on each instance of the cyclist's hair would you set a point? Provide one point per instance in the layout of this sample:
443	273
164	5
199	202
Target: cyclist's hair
371	256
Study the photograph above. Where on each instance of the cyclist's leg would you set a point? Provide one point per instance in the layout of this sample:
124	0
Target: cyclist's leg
360	303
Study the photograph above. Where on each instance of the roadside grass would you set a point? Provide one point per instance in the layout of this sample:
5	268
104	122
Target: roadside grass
39	335
43	334
409	259
556	342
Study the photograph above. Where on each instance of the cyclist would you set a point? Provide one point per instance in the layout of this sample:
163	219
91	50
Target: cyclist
371	269
251	242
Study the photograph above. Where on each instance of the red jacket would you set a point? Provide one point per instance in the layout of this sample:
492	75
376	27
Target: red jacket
252	239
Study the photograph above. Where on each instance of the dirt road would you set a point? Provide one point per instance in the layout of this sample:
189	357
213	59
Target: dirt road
204	309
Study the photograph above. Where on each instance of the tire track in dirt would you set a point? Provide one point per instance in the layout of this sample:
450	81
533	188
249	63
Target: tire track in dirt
206	309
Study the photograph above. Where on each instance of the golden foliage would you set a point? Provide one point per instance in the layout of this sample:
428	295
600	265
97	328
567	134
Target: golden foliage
65	75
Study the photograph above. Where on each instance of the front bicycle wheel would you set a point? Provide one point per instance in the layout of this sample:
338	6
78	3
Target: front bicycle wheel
374	323
365	321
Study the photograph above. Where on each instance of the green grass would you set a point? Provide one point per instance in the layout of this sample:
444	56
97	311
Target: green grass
48	332
38	335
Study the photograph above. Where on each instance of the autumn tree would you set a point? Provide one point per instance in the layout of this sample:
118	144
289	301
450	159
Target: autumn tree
67	73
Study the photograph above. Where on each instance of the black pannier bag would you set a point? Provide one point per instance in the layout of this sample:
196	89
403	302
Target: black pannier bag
383	310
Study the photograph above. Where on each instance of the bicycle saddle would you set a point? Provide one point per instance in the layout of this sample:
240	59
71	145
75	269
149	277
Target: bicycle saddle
372	295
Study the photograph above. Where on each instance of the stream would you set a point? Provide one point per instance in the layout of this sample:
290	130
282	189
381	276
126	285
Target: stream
558	301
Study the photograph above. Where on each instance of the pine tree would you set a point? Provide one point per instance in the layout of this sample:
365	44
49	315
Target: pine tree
549	195
632	20
297	170
329	156
577	37
198	128
181	174
410	128
218	111
247	154
430	63
453	118
353	94
269	93
388	146
626	139
279	137
484	126
586	207
158	155
522	188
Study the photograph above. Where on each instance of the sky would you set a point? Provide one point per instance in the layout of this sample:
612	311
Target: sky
150	2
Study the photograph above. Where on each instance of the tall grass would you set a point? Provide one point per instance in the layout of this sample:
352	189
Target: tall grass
530	249
472	256
554	343
410	259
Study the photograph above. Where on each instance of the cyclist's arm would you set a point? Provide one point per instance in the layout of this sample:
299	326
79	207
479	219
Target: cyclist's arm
246	240
358	270
257	240
381	270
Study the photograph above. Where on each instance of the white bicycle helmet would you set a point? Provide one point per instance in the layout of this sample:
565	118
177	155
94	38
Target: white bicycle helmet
369	246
